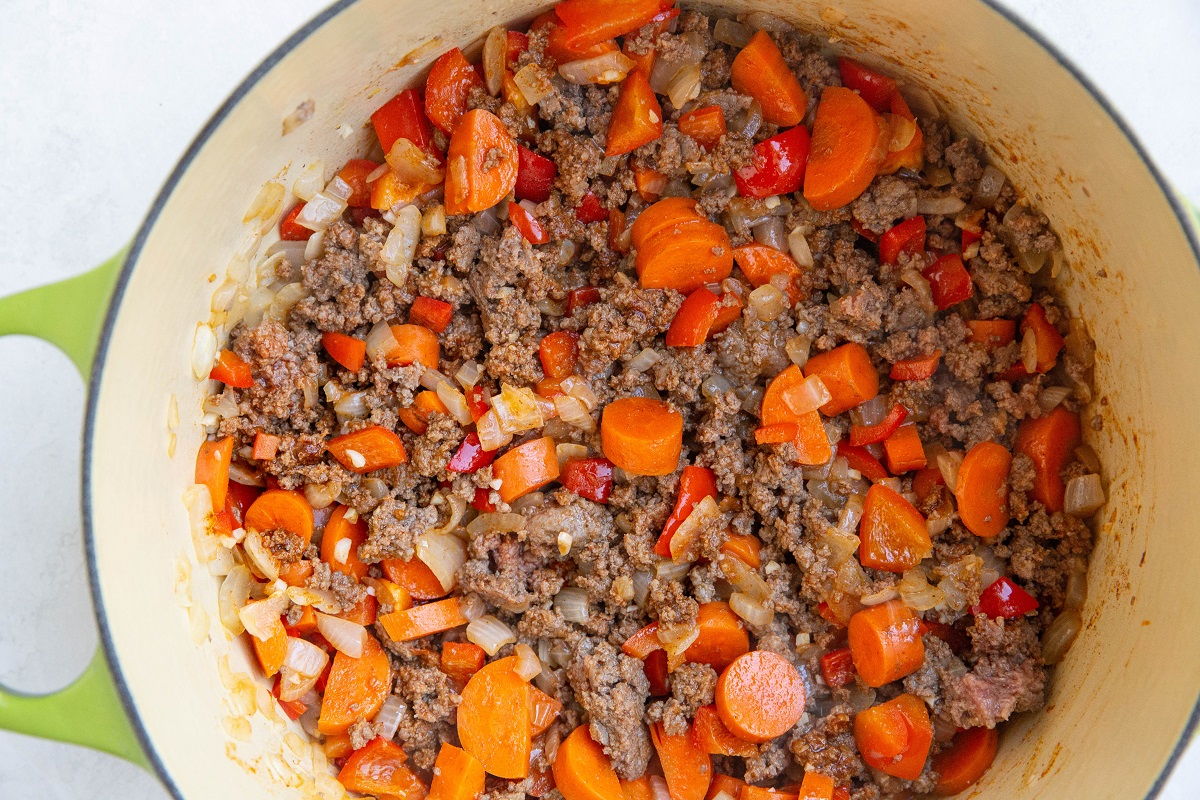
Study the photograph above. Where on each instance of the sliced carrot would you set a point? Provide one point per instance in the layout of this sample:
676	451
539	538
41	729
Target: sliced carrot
431	313
272	652
694	319
706	125
457	775
963	763
728	311
637	118
726	784
885	642
389	191
416	416
337	745
344	558
368	449
378	769
982	489
649	182
847	373
363	612
760	263
415	577
462	659
305	625
774	410
543	710
525	468
1049	442
277	509
493	719
760	696
911	155
849	142
904	450
639	789
415	344
760	71
919	368
761	793
481	163
812	440
558	352
582	771
686	766
407	624
686	255
722	637
447	88
212	468
893	535
643	642
745	548
356	688
591	21
816	786
715	738
661	216
265	447
926	480
894	737
641	435
232	371
778	433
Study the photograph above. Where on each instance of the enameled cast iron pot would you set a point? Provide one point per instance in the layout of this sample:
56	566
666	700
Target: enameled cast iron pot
1122	705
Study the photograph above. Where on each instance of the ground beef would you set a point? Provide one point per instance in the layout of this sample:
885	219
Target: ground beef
612	689
285	546
393	530
828	746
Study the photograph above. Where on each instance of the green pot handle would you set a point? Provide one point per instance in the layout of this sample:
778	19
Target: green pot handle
70	315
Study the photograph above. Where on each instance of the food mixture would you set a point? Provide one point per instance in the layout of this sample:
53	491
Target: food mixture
665	408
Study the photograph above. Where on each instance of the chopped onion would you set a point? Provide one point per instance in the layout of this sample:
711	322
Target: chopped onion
320	599
641	586
311	181
1029	350
688	53
314	248
750	121
744	578
233	594
851	513
917	593
472	607
517	410
770	23
753	611
579	388
284	299
570	452
676	639
572	604
413	166
534	83
389	716
322	495
797	349
430	379
945	206
433	221
684	86
258	557
266	202
768	302
715	386
468	374
671	571
1061	634
903	131
323	209
987	191
401	245
223	405
732	33
491	438
495	58
380	343
1052	396
444	554
352	405
496	522
345	636
686	535
644	360
489	633
528	665
260	618
204	351
302	667
1084	496
610	67
938	176
1087	457
574	412
798	247
808	395
458	508
770	233
921	286
948	464
455	403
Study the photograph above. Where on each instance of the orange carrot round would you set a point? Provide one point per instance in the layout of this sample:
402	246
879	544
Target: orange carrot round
339	529
457	775
963	763
847	373
641	436
416	344
892	533
279	508
894	737
368	449
760	71
982	489
493	719
849	142
582	771
722	636
685	256
661	216
885	642
525	468
686	766
760	696
481	163
212	469
760	262
356	688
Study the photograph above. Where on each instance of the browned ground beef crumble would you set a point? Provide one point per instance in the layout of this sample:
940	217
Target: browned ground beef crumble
508	294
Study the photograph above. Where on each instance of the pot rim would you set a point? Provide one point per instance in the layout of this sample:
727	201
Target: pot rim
164	195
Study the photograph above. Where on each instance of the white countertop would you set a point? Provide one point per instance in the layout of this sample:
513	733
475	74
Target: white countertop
97	102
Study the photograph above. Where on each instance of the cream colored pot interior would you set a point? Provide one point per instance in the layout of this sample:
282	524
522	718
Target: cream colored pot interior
1120	702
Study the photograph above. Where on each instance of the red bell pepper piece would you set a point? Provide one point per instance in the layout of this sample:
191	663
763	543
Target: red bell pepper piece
916	369
232	371
860	458
403	117
481	501
728	310
265	446
450	81
535	175
588	477
837	667
907	237
355	174
431	313
578	298
694	319
1005	599
590	210
290	230
477	402
293	708
870	434
949	280
778	166
865	232
590	22
695	484
655	668
470	457
970	237
517	43
531	227
876	89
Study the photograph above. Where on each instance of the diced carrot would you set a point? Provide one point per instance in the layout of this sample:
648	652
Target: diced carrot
745	548
589	22
649	182
280	508
925	480
893	535
849	142
447	88
389	191
407	624
457	775
885	642
231	370
543	710
894	737
661	216
378	769
363	612
774	410
482	163
558	353
694	319
525	468
493	719
212	468
368	449
639	789
982	489
339	557
816	786
415	344
337	745
637	118
963	763
356	688
270	653
348	351
296	573
462	659
715	738
706	125
1050	442
415	577
416	416
355	174
991	333
686	766
760	263
641	435
430	313
722	637
919	368
911	155
904	450
875	88
760	696
726	784
582	771
695	484
1049	342
761	793
760	71
847	373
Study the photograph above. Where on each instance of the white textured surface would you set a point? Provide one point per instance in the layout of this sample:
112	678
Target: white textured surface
100	99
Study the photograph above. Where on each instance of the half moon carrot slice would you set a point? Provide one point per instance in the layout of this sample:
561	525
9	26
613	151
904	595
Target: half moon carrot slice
641	435
526	467
760	696
457	775
415	577
885	642
760	263
368	449
894	737
722	636
849	142
493	719
847	373
406	624
685	256
212	469
963	763
481	163
280	508
582	771
415	344
713	736
686	766
760	71
982	489
356	688
660	216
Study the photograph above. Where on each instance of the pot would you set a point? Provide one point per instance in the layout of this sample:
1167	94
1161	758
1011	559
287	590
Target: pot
181	697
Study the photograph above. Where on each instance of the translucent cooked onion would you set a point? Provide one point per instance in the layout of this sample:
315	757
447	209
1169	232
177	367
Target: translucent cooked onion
345	636
455	402
534	83
808	395
572	604
684	86
676	639
841	544
401	245
260	618
517	410
715	386
948	464
302	666
389	716
468	374
1084	496
921	286
489	633
310	181
1076	594
433	221
491	438
703	514
314	248
1052	396
579	388
770	233
903	131
732	33
753	611
444	554
644	360
610	67
744	578
1029	350
413	166
851	513
224	405
323	209
797	349
284	299
472	607
987	191
233	594
1087	456
763	21
945	206
352	405
266	203
430	379
495	57
528	665
322	495
798	246
380	343
204	351
570	452
671	571
458	508
573	412
767	302
917	593
641	586
496	522
1061	634
688	53
258	557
